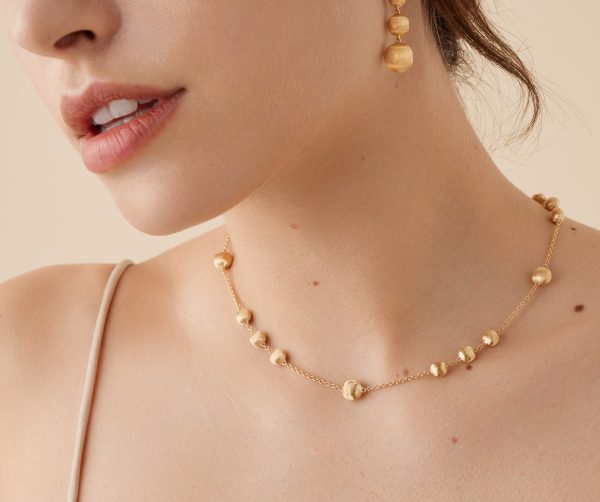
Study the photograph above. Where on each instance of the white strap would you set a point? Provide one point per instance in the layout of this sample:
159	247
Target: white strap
90	378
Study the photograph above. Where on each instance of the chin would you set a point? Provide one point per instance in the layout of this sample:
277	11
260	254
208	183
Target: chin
153	220
156	206
159	205
172	187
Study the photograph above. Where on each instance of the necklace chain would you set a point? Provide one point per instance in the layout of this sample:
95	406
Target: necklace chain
352	389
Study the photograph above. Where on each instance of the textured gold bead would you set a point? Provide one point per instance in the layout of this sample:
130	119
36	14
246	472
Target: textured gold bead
541	276
399	57
398	24
466	354
277	356
243	316
540	198
397	3
352	389
557	215
223	260
491	337
258	338
438	368
551	203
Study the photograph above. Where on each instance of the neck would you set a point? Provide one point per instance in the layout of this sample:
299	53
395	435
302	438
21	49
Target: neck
388	242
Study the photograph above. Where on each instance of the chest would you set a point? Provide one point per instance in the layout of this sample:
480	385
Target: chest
164	428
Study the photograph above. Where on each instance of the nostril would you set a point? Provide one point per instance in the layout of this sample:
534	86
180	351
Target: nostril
71	38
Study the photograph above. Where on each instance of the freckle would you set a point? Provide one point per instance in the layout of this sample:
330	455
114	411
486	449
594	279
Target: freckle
315	283
579	308
294	225
573	228
468	366
362	474
406	371
363	158
454	439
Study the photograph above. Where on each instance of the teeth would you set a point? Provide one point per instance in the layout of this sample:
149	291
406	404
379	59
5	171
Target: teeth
102	116
116	123
124	120
121	107
116	109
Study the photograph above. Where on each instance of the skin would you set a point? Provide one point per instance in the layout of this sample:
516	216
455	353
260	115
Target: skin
372	234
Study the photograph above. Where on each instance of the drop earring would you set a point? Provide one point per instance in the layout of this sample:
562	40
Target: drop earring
398	56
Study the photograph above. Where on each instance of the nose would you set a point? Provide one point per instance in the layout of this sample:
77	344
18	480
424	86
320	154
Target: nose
58	28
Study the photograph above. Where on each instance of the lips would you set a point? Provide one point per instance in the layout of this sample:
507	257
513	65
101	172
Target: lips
104	146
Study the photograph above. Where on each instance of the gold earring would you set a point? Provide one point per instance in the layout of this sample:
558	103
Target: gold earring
398	56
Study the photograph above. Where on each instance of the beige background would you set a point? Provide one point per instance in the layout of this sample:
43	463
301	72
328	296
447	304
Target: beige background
54	211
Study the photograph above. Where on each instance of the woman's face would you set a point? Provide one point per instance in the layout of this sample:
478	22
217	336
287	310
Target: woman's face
260	77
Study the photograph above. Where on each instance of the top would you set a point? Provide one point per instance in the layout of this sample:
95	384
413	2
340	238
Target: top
90	377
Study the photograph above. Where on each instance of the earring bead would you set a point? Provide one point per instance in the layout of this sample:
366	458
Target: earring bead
398	24
399	57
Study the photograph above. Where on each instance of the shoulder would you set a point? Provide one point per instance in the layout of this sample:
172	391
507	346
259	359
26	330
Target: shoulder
572	321
576	295
577	258
33	300
44	311
47	318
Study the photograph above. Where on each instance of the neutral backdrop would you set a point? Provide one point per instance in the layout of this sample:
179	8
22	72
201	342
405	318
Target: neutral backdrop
55	211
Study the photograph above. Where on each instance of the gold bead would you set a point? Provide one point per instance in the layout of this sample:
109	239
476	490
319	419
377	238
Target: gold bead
352	390
397	3
277	356
540	198
223	260
541	276
466	354
557	215
551	203
398	24
258	338
398	57
243	316
438	368
491	337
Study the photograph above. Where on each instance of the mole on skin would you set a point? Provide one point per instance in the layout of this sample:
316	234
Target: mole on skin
294	225
579	308
468	366
454	439
315	283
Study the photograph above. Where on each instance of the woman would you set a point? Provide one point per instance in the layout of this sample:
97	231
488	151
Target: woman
372	240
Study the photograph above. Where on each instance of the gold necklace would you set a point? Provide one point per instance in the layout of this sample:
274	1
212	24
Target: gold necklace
352	389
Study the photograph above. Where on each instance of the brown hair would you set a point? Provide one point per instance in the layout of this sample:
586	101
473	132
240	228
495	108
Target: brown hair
457	24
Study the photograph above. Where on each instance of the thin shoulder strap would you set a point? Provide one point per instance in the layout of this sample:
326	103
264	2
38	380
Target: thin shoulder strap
90	377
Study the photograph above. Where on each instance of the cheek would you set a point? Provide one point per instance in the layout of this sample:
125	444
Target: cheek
257	80
255	91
